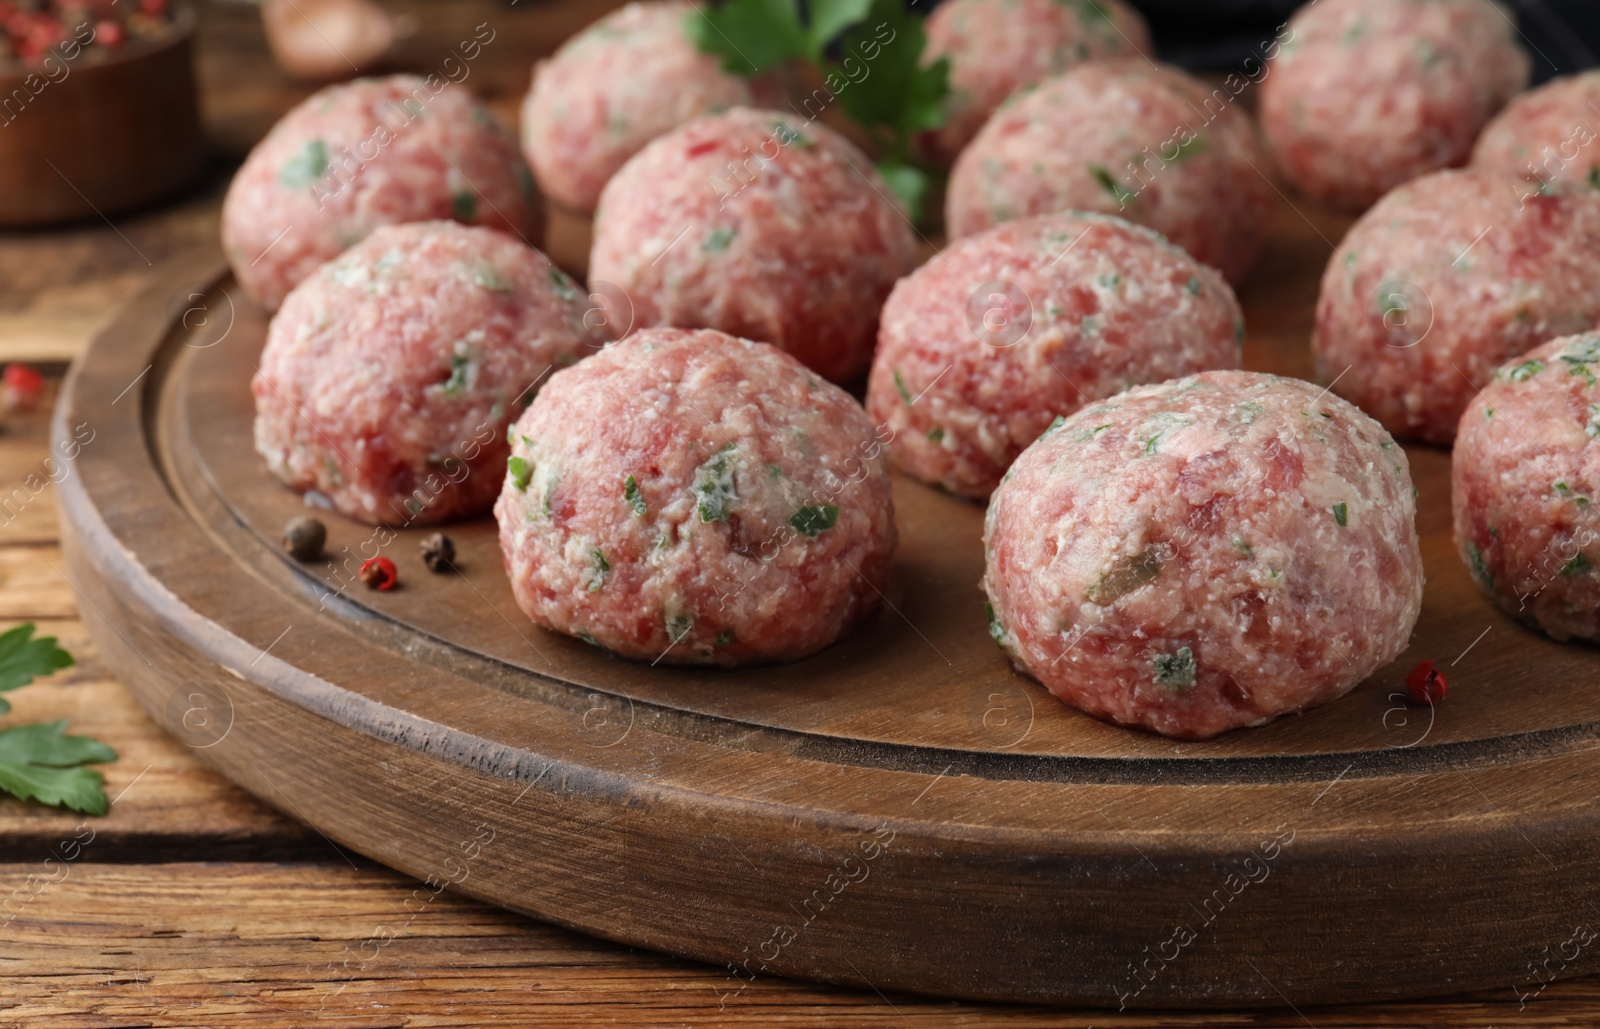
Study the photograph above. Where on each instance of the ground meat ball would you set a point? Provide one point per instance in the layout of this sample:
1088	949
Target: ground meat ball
1122	137
996	47
1547	135
1366	94
614	87
1444	279
1205	554
980	350
391	374
690	497
1525	475
760	225
369	153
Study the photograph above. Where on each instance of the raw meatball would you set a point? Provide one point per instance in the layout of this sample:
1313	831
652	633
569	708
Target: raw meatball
746	223
1547	135
1205	554
1524	477
1366	94
979	350
1444	279
689	497
614	87
391	374
368	153
1122	137
996	47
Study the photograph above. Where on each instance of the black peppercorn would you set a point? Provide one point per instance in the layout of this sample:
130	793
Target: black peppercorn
304	537
438	553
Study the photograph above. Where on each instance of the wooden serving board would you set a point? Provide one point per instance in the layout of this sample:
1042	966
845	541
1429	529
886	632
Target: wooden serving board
902	811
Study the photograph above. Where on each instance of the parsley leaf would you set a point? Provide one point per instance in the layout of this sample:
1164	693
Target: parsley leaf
901	93
898	98
831	17
39	762
907	182
749	35
24	659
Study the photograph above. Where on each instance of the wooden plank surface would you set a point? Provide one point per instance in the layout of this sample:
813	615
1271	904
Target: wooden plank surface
291	944
59	286
195	904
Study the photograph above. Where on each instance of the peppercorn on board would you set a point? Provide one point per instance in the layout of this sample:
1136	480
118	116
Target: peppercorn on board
902	809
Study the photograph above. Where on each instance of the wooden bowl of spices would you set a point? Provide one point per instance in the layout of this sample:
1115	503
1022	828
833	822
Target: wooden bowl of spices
99	110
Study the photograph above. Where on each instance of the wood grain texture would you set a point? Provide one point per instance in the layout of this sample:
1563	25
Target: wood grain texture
59	288
366	948
901	810
126	940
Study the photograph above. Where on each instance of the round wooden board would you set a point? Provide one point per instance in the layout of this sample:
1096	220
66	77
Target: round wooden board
902	811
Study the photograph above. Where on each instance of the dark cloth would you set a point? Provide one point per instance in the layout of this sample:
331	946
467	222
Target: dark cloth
1218	35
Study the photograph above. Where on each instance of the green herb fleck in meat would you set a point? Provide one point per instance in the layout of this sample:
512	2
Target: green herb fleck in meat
936	434
717	240
713	486
306	166
1526	370
1165	422
1577	566
1127	575
1193	147
464	206
786	135
900	385
635	498
1118	192
1193	286
1341	513
489	277
563	285
724	638
1093	14
1584	351
1175	670
602	568
679	626
460	375
521	473
997	632
813	520
1480	567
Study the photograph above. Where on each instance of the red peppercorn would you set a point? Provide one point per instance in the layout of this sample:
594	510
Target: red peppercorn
22	386
108	33
379	573
1426	684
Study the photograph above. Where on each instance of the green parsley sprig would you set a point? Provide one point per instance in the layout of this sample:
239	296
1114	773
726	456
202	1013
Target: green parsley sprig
40	762
882	84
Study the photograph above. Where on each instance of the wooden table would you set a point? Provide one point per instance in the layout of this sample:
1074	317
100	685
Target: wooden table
195	904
